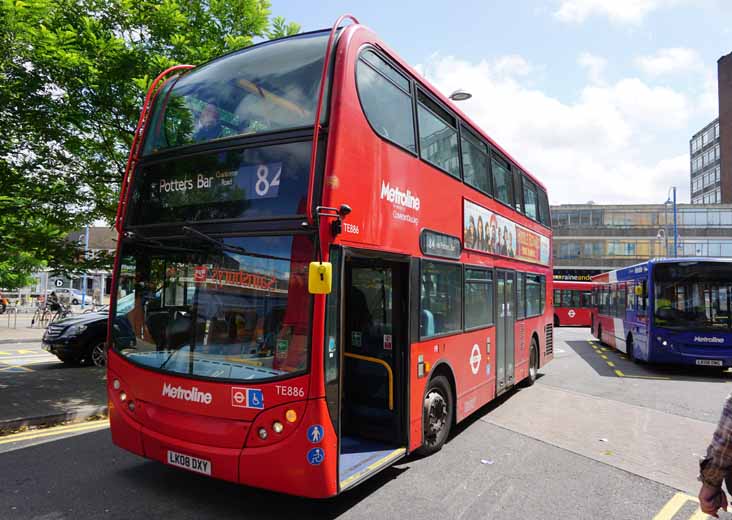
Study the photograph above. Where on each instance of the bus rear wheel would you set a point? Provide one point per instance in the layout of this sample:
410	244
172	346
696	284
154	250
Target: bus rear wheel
437	415
533	363
556	320
599	334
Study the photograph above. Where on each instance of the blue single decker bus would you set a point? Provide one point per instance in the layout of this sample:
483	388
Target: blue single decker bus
668	310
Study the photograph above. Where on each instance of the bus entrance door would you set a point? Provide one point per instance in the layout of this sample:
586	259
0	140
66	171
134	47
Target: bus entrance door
506	307
375	335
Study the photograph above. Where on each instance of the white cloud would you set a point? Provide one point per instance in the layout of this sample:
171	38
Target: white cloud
622	11
595	66
670	61
513	65
614	143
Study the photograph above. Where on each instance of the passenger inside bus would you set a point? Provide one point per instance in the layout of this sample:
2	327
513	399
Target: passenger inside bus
209	124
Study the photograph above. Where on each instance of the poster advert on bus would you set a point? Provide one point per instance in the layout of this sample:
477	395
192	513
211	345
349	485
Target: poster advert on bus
488	232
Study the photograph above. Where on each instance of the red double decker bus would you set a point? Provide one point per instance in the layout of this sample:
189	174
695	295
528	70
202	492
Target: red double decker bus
572	304
323	265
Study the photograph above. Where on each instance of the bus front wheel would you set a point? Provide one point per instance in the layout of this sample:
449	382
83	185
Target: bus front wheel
630	348
437	415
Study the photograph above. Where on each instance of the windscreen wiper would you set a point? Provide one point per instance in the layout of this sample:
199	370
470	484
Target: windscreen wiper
228	247
136	236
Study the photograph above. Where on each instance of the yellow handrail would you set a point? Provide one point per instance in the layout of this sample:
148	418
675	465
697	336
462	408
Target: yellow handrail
388	371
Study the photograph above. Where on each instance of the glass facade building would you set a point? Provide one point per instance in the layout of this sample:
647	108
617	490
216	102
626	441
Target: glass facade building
590	237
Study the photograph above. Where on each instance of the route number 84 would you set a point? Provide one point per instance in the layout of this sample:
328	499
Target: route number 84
265	182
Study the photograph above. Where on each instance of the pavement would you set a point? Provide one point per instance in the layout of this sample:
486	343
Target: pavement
16	328
37	389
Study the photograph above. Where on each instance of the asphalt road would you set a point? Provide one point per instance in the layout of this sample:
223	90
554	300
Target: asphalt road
576	445
24	357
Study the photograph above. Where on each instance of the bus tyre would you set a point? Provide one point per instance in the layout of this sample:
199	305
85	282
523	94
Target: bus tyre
436	415
533	364
599	334
630	348
556	320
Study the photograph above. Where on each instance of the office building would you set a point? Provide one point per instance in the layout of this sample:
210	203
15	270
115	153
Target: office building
590	239
711	147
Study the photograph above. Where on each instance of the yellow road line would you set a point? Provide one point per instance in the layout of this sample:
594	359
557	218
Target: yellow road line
673	506
603	356
611	364
653	377
10	367
25	351
60	430
698	515
619	373
3	353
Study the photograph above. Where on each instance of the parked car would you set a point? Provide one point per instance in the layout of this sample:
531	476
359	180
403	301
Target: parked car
81	339
78	339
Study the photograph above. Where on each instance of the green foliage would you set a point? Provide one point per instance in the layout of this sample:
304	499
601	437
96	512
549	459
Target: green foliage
73	74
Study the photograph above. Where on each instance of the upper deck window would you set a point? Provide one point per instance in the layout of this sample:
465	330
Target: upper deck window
476	171
437	135
269	87
502	181
531	200
386	98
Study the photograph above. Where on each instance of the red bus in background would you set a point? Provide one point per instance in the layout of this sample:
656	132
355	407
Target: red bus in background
223	360
572	304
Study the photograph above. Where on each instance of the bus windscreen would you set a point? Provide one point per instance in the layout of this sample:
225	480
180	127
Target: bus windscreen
269	87
693	295
239	312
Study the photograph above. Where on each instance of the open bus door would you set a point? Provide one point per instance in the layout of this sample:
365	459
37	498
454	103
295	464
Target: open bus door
375	339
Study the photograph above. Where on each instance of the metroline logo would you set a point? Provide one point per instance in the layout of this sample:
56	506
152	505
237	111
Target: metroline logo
708	339
194	394
401	198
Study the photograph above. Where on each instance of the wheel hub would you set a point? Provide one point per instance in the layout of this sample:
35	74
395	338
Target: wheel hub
437	415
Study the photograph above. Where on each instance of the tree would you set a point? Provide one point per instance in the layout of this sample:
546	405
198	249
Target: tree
73	75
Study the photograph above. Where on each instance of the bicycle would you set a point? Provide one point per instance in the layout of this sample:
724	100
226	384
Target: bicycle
62	312
42	315
94	307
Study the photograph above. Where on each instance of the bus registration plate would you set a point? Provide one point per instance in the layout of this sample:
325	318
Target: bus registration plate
709	362
189	463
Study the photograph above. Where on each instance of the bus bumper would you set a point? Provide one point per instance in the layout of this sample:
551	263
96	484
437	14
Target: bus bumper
288	466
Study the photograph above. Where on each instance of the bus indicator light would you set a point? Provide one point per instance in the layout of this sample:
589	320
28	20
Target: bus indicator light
291	416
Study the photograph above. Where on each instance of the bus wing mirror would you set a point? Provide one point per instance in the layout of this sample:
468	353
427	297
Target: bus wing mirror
320	277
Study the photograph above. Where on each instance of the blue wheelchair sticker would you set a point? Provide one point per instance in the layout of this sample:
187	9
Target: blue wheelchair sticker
316	456
255	399
315	433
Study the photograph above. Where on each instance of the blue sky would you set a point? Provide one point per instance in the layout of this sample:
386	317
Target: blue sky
598	98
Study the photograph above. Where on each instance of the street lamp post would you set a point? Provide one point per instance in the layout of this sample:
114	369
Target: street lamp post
670	200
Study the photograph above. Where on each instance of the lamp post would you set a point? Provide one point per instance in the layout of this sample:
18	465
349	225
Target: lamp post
83	283
670	200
